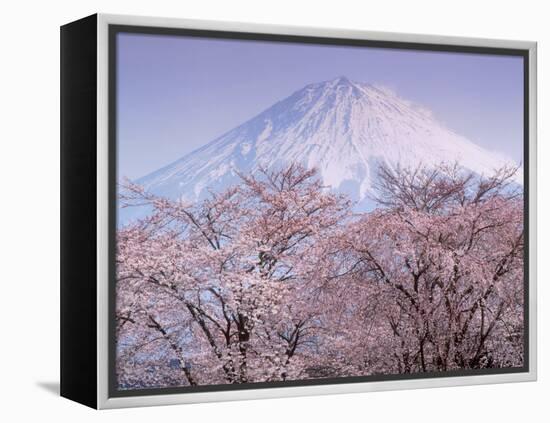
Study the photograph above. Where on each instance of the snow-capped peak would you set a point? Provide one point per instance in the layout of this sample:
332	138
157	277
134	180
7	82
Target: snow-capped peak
343	128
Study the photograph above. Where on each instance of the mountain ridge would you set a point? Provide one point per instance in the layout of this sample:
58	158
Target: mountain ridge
344	128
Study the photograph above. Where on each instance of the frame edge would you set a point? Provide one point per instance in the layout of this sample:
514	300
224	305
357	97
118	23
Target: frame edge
78	347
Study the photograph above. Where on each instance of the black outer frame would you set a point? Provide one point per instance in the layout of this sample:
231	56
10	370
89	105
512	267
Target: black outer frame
78	361
114	29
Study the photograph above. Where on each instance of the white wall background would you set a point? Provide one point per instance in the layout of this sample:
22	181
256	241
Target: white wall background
29	232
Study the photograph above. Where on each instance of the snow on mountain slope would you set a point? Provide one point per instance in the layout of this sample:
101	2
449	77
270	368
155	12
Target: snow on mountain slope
343	128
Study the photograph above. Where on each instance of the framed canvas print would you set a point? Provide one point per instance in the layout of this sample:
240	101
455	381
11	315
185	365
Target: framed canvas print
255	211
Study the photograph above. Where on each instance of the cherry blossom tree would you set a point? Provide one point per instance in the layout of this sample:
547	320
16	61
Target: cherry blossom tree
226	286
444	260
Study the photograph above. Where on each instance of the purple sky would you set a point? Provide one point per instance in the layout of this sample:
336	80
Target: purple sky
177	93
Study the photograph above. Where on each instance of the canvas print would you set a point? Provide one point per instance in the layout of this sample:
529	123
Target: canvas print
294	212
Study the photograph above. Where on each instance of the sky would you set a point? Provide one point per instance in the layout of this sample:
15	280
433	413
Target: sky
177	93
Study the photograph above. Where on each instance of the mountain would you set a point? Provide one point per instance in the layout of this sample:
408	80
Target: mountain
343	128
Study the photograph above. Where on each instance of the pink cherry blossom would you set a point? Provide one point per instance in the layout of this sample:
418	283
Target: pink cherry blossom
277	279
